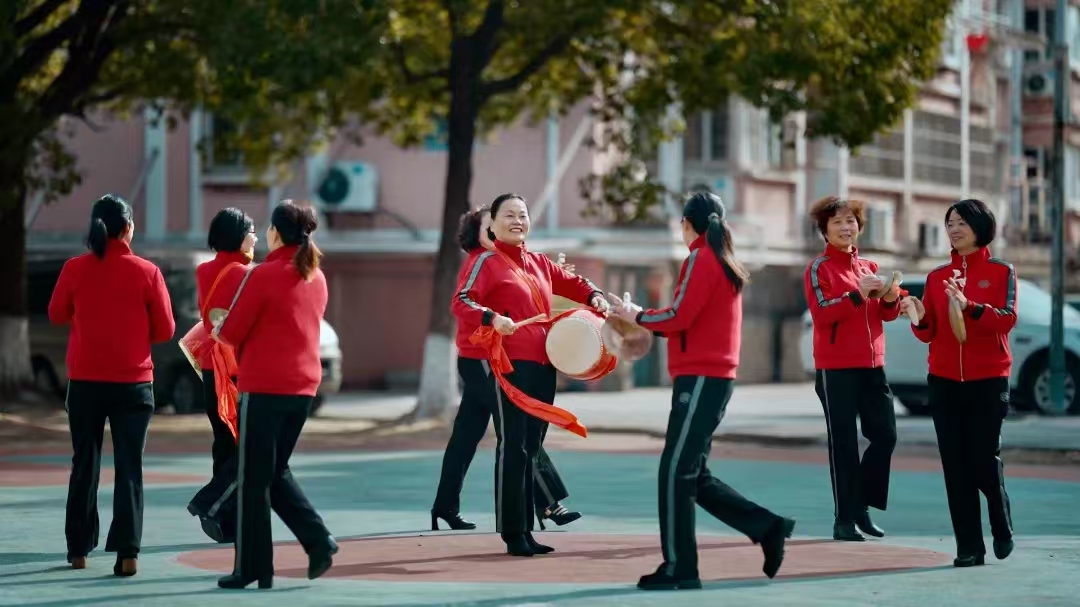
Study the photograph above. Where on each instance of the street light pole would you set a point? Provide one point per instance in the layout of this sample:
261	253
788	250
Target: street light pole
1060	49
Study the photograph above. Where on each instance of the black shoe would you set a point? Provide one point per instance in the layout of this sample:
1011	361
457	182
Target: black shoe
125	567
559	514
236	582
319	562
969	561
773	545
867	526
663	581
846	532
536	546
517	545
1003	548
214	531
452	518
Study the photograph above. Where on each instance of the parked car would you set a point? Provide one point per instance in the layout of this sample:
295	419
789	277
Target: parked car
175	382
906	356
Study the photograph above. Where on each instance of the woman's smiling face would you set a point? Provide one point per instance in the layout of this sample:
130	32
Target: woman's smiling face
511	222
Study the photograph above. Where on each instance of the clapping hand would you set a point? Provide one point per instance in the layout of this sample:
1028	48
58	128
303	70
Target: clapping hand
623	308
952	289
913	304
600	304
868	282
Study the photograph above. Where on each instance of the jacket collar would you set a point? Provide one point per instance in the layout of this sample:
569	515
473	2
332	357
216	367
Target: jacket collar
286	252
841	256
116	247
698	243
517	253
227	257
979	256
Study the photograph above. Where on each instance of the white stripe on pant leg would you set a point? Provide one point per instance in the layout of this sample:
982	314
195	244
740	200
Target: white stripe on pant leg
669	546
539	478
242	434
500	453
832	437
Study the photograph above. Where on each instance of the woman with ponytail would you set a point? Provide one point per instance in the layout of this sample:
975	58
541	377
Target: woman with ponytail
703	328
274	327
117	306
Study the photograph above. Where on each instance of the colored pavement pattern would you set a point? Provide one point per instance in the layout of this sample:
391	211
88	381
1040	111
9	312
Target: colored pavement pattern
376	503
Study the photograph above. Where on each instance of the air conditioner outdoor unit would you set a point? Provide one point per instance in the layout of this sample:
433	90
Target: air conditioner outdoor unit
348	186
1039	84
879	228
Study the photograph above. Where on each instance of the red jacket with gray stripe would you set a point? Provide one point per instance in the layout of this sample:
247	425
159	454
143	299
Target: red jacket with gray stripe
492	287
848	330
990	287
465	326
704	322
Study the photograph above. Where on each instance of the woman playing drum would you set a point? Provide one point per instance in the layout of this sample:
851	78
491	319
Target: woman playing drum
473	415
508	284
704	327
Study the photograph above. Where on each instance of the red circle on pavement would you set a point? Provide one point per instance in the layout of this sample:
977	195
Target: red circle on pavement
579	558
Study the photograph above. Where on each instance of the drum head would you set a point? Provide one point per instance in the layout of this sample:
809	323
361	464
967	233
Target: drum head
632	344
574	345
216	315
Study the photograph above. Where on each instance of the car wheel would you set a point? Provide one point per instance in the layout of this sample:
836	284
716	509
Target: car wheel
916	406
1037	385
45	379
186	392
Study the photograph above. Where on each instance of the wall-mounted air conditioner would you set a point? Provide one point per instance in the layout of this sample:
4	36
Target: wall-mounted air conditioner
346	186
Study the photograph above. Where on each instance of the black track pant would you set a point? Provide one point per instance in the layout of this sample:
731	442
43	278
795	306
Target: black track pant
128	408
697	406
224	446
967	418
270	425
470	425
847	394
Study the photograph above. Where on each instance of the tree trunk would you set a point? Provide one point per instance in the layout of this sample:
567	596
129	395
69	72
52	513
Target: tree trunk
438	376
15	369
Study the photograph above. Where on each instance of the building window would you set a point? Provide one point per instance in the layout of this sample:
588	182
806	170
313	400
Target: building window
222	153
883	157
880	224
706	137
985	171
937	149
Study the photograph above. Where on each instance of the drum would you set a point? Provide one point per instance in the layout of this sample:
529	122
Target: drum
196	344
575	345
626	340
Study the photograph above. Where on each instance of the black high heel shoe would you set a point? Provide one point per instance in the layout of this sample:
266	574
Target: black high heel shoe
558	514
125	567
517	545
536	546
452	518
236	582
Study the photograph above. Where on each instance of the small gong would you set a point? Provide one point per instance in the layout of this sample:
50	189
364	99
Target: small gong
216	315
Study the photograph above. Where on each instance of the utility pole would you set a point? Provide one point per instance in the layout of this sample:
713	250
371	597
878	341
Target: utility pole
1060	49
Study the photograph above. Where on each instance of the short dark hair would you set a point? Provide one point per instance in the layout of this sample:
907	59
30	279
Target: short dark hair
109	218
827	208
501	198
468	235
228	229
294	224
978	216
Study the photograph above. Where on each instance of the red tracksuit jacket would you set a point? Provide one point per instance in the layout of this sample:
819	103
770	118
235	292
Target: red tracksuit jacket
117	307
275	326
206	274
492	287
990	287
465	328
848	331
704	322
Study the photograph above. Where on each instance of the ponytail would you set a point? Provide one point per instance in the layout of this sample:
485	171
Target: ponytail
294	224
110	218
718	235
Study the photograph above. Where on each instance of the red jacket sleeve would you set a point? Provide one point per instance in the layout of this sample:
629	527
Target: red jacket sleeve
565	284
159	306
996	320
62	302
825	306
927	328
889	310
699	278
237	324
471	289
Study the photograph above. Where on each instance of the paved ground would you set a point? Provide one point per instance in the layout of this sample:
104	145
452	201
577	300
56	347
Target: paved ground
771	413
376	503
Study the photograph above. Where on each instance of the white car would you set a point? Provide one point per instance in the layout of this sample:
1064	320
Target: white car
906	357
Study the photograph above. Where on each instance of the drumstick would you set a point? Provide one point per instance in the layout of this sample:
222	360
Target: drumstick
529	321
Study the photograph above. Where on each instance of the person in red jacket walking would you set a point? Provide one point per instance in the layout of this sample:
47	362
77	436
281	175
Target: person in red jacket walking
704	328
232	237
843	292
507	284
969	380
474	413
274	326
117	305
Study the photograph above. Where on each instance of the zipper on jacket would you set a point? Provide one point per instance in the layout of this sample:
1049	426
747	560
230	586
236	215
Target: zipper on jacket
963	289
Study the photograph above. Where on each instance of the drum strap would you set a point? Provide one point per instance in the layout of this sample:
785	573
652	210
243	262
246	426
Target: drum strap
214	286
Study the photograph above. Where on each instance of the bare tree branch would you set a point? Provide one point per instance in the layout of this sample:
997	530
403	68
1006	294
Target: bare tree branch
409	75
36	17
554	47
